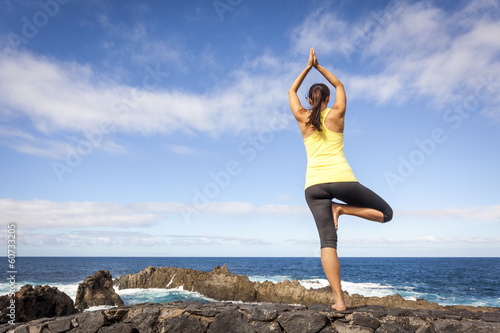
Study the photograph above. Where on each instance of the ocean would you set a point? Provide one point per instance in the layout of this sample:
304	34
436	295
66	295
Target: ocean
447	281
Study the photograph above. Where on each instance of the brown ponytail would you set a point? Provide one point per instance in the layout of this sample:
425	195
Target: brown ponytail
318	93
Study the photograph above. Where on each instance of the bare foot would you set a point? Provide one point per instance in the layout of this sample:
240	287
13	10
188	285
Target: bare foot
337	211
339	307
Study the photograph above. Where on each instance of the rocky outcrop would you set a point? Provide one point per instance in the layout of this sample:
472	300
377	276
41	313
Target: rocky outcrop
220	284
196	317
31	303
97	290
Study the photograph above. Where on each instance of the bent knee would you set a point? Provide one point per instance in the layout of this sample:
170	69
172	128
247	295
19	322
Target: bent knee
387	214
330	243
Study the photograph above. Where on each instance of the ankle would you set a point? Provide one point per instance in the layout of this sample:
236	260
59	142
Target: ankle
338	208
339	307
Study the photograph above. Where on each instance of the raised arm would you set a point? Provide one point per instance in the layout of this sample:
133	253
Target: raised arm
340	97
295	106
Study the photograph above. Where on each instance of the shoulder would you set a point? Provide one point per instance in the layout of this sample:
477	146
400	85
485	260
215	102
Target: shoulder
334	120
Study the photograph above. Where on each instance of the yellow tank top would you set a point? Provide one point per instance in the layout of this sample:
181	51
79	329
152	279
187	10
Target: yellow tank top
326	162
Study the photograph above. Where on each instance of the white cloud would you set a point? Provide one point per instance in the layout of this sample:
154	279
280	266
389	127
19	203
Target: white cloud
421	240
194	240
39	214
120	238
25	142
303	241
68	97
487	213
34	214
89	238
477	240
323	30
183	149
429	53
413	50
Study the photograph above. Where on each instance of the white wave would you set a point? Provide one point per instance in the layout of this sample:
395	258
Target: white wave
152	291
365	289
369	289
159	295
68	289
314	283
99	307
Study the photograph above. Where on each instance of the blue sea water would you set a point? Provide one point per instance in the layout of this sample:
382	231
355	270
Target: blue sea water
447	281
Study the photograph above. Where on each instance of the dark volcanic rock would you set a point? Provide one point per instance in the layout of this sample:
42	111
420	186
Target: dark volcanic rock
306	321
265	312
319	307
342	327
263	327
231	321
367	321
390	327
493	317
38	302
89	322
5	327
147	321
465	327
60	325
201	310
97	290
182	324
219	317
118	328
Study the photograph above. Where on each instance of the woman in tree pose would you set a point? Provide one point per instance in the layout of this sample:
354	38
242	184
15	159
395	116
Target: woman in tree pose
328	174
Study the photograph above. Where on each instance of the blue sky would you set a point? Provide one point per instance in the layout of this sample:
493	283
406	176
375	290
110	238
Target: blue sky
162	128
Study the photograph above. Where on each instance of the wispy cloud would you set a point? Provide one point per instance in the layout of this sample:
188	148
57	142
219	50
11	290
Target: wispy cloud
413	50
39	214
487	213
35	214
183	149
471	240
68	97
303	241
322	29
91	238
190	240
420	240
117	238
46	146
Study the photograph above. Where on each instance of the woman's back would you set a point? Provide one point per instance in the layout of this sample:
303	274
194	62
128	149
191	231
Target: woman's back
326	162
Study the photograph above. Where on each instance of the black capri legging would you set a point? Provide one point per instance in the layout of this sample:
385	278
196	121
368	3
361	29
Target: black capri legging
319	199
